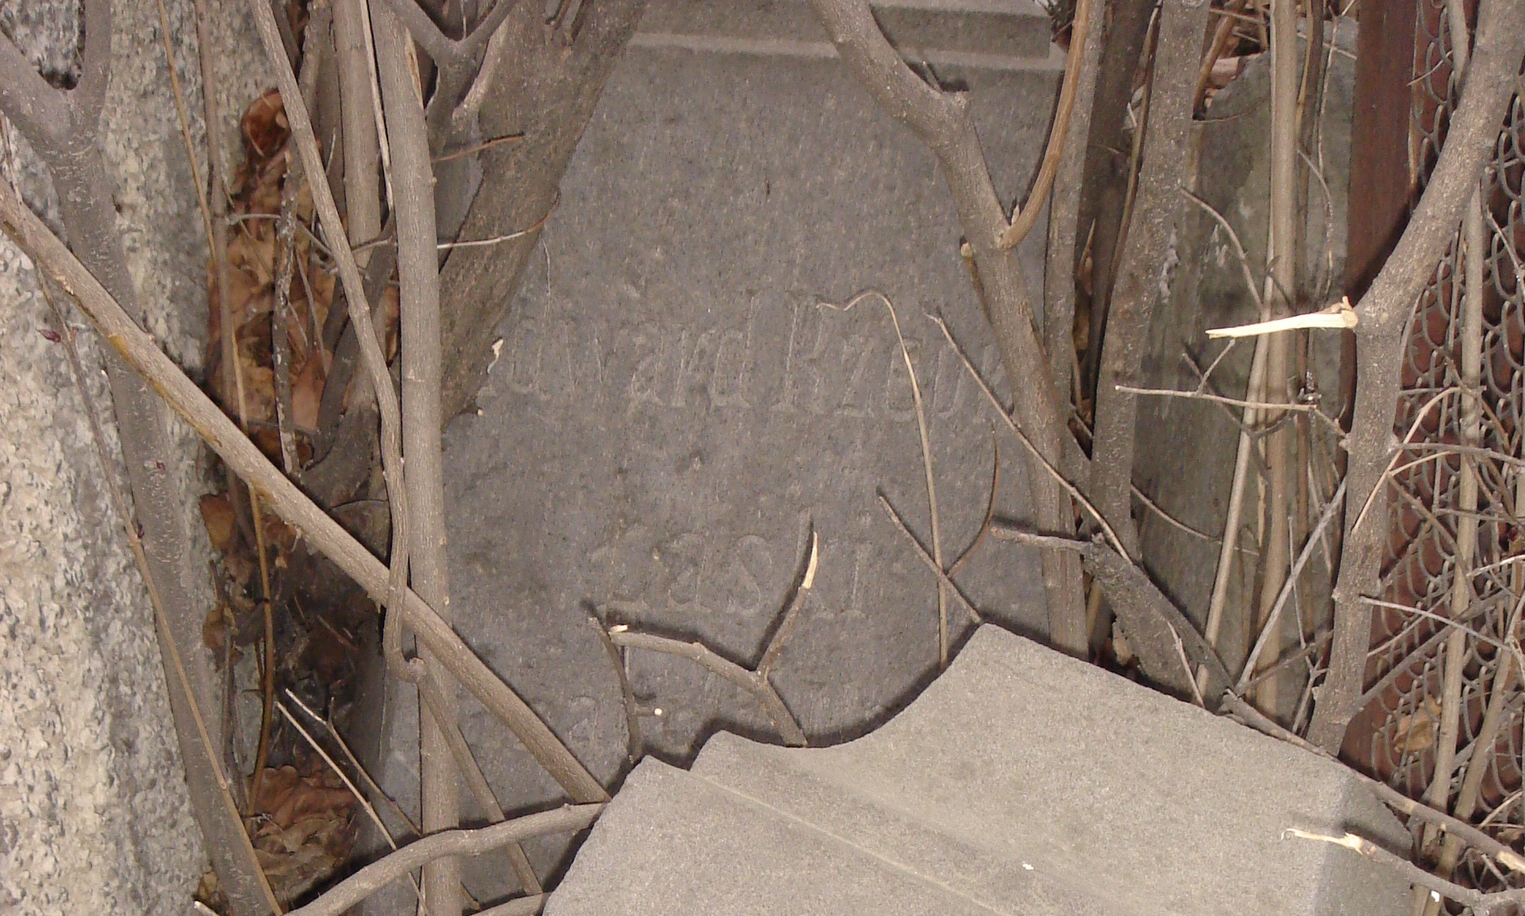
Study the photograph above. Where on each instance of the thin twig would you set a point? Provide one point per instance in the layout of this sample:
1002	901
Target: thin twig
927	558
360	798
627	694
1268	628
354	761
995	484
1244	261
499	239
477	148
785	628
1232	402
1022	437
1026	216
926	464
1478	901
1228	546
1171	520
1196	692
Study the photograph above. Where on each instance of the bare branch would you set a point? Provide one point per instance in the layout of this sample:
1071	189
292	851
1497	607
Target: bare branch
1024	217
95	65
441	49
42	113
1154	624
378	874
419	308
1142	262
750	681
179	682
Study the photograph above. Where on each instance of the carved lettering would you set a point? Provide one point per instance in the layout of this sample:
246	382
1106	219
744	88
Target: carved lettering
899	402
798	361
857	352
691	362
728	378
646	380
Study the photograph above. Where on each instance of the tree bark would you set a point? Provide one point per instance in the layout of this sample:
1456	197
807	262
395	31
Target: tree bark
1143	277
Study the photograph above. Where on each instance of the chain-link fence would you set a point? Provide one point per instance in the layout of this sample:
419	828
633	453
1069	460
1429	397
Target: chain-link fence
1457	549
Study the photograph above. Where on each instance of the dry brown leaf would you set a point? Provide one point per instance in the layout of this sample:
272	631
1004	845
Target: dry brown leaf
215	629
264	125
217	516
1416	731
306	395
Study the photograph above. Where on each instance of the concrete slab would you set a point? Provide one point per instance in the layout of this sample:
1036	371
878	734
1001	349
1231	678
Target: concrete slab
1022	780
679	845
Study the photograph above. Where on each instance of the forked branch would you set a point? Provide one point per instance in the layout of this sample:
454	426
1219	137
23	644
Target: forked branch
943	122
754	681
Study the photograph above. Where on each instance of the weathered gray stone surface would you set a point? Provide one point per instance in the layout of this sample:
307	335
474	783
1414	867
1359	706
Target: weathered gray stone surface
671	409
94	816
1021	781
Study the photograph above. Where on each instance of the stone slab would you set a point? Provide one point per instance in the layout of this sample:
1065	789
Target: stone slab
671	411
1022	781
672	408
673	844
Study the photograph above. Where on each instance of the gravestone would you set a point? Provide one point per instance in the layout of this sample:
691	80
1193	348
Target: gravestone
673	413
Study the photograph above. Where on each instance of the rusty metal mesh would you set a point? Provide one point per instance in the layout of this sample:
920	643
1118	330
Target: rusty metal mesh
1396	734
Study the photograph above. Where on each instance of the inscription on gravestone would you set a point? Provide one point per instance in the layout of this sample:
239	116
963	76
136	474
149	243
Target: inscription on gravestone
670	410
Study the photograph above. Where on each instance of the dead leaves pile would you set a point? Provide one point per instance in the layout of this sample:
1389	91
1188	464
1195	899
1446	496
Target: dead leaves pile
301	819
250	300
303	828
